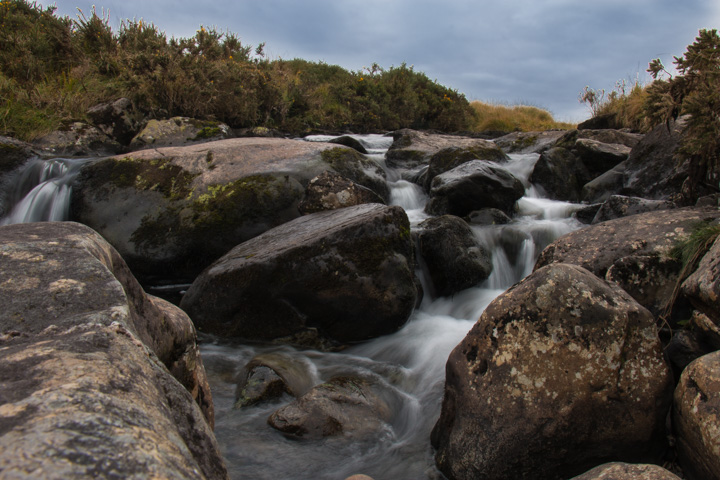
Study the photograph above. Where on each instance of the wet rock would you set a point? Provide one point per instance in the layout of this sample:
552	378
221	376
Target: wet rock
269	375
604	186
488	216
684	347
346	274
454	258
611	136
597	247
586	214
650	280
696	418
600	157
170	212
471	186
530	142
703	286
179	131
451	157
77	139
412	148
618	206
562	372
343	406
329	191
97	379
626	471
560	175
117	119
13	153
351	142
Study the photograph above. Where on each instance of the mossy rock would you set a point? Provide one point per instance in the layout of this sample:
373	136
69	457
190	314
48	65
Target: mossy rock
178	131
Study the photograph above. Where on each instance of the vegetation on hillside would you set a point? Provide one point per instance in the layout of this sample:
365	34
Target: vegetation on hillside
511	118
52	69
693	92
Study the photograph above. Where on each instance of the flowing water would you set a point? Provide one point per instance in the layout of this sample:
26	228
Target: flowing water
410	364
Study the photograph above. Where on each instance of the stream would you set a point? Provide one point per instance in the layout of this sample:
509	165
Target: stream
410	364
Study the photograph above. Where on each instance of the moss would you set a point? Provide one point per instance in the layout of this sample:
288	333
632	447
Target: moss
524	141
340	157
208	132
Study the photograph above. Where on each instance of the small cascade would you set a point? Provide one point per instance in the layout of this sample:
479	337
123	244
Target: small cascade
41	191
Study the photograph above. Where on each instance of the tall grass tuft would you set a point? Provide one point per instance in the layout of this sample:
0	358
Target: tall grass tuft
503	118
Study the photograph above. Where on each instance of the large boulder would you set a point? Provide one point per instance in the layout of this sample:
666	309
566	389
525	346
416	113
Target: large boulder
171	211
561	373
617	206
696	418
451	157
560	175
342	406
269	375
599	157
97	379
598	246
330	190
117	119
77	139
472	186
179	131
703	286
627	471
342	275
412	148
531	142
13	153
453	257
604	186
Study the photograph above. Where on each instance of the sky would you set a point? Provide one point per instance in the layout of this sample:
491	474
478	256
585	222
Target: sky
530	52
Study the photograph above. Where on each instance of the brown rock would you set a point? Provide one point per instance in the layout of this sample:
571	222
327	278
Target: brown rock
703	286
626	471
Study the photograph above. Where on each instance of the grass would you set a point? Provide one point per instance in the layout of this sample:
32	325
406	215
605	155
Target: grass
496	117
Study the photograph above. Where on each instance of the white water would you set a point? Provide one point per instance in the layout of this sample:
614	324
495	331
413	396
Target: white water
410	363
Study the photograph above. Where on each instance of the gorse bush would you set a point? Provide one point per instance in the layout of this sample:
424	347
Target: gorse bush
52	69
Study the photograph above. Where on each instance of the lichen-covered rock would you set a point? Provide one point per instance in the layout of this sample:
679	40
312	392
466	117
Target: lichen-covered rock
696	418
117	119
561	373
330	190
170	212
345	274
627	471
597	247
474	185
621	206
560	175
77	139
412	148
343	406
703	286
97	379
451	157
269	375
452	255
179	131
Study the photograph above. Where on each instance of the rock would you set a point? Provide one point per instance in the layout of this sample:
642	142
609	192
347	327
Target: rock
451	157
13	153
611	136
269	375
454	258
597	247
602	187
472	186
488	216
709	201
117	119
562	372
97	379
343	406
179	131
618	206
359	477
345	274
600	157
703	286
77	139
530	142
412	148
351	142
170	212
707	331
684	347
329	191
696	418
560	175
649	279
626	471
600	121
587	213
258	132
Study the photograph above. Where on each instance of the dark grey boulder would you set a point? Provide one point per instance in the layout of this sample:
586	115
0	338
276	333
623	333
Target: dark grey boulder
453	257
560	175
488	216
532	142
117	119
604	186
599	157
561	373
618	206
343	275
269	375
351	142
13	153
474	185
451	157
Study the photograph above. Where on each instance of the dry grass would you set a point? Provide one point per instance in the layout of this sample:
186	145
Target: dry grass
514	118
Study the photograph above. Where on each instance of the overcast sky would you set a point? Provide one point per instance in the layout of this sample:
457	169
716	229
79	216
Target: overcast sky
536	52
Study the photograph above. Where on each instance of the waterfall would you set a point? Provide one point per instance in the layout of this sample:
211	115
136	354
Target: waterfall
40	192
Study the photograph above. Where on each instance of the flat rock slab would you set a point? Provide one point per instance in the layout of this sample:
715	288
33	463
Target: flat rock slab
346	274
